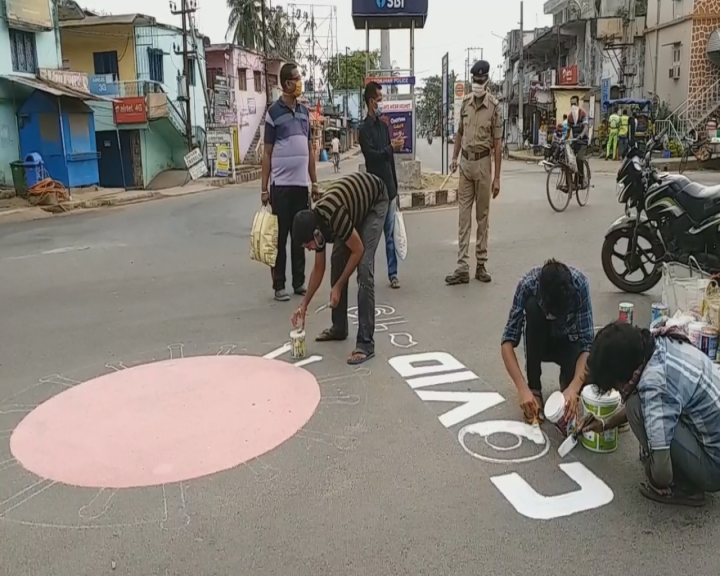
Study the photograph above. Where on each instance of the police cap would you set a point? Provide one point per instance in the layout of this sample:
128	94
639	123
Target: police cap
480	68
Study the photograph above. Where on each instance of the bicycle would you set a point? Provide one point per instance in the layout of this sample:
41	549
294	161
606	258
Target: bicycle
701	151
336	162
565	170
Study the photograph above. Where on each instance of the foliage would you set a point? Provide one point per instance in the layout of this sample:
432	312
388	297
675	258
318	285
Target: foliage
348	72
429	113
663	111
675	147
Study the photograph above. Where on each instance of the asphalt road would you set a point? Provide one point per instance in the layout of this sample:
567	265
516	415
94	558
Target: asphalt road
377	481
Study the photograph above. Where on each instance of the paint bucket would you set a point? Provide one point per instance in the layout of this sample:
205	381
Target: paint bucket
555	412
297	339
601	406
694	330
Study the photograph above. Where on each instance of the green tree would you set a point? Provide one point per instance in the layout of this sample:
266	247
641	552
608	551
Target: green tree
351	72
429	105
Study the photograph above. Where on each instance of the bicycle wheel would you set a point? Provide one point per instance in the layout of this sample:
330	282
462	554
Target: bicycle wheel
548	165
582	195
683	162
559	186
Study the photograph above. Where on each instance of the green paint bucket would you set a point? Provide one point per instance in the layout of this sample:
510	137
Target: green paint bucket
601	406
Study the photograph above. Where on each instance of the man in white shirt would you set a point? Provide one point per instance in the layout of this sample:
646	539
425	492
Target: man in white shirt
335	146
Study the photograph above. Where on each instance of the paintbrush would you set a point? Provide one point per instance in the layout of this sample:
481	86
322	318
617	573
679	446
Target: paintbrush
572	440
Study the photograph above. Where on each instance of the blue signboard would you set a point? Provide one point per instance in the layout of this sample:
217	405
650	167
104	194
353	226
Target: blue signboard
383	14
391	80
103	85
604	92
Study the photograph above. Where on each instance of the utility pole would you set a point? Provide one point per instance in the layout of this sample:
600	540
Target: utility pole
347	100
265	53
468	65
521	72
186	7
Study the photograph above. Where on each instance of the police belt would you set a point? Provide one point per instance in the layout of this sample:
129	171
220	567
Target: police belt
475	155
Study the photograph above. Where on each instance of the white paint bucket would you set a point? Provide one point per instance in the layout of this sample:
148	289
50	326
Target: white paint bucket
694	330
297	339
555	412
602	406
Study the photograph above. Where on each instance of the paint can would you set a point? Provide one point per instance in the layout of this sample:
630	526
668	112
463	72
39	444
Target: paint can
601	406
657	311
694	331
709	341
625	312
299	349
555	412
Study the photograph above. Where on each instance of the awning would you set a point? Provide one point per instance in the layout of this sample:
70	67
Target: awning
53	88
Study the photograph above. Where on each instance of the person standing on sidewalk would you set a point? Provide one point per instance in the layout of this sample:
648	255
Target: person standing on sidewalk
378	151
612	143
288	160
623	133
350	216
479	136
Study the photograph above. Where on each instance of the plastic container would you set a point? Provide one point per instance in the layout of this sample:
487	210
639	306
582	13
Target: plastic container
19	179
34	168
555	412
601	406
299	349
694	330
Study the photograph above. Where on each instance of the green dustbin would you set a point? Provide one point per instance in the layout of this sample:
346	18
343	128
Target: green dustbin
19	179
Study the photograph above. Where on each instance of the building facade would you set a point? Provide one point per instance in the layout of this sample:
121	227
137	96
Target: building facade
134	60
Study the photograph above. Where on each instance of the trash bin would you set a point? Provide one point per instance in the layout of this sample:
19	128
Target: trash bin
34	169
19	179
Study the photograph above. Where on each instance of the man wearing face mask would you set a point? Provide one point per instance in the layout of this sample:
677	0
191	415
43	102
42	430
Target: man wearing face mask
289	161
552	311
478	146
378	151
578	128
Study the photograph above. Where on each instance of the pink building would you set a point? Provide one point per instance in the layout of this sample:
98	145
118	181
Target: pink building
244	70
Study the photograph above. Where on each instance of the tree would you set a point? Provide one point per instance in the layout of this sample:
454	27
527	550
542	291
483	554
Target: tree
351	73
429	105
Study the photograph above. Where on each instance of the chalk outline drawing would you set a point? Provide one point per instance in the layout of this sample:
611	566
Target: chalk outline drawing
380	310
519	430
410	341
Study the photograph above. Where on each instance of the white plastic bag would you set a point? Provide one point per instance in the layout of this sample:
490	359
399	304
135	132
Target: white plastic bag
400	236
570	157
264	237
684	288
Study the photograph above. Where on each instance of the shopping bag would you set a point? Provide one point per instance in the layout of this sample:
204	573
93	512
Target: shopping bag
683	288
711	303
400	236
570	158
264	237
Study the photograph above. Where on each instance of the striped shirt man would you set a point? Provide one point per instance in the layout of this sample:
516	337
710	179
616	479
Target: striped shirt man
346	204
680	384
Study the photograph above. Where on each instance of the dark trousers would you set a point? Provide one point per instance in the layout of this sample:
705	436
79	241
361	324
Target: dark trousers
370	232
542	344
693	469
287	201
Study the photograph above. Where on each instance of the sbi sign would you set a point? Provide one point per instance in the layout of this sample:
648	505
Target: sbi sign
390	4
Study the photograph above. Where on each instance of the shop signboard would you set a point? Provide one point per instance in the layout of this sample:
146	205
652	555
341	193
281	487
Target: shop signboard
399	119
569	75
131	110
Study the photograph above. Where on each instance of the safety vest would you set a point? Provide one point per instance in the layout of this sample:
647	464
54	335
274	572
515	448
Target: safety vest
614	121
624	121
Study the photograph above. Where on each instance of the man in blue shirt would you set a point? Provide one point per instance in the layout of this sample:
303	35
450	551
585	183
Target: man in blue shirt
552	310
671	392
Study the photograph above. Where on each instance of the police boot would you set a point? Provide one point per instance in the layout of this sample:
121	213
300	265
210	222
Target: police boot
457	277
482	274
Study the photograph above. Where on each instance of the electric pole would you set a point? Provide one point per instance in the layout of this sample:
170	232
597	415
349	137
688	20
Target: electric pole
468	66
265	53
521	79
186	7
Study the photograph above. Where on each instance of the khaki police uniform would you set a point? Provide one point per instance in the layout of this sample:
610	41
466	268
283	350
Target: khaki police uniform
480	129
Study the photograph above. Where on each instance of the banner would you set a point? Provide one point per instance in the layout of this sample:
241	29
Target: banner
222	163
398	116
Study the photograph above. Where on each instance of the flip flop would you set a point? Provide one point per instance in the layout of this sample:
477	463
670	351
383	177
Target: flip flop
329	335
676	498
359	357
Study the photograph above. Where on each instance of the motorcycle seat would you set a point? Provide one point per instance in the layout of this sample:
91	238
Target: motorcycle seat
701	192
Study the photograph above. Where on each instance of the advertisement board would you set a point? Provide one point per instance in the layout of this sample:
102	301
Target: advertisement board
132	110
399	119
31	14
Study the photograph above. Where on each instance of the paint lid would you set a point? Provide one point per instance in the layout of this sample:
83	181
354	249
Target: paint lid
297	334
626	305
555	407
593	396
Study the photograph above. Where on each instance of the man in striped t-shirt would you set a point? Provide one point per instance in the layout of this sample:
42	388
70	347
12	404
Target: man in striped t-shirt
350	216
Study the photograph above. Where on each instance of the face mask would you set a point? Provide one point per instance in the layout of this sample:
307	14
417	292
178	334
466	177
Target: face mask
574	109
479	89
378	108
298	89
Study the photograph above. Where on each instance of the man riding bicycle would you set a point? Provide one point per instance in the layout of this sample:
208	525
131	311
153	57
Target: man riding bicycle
578	130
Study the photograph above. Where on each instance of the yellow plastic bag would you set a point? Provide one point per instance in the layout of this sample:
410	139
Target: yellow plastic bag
264	237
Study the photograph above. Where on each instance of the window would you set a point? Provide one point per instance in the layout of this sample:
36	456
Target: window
191	71
23	52
257	77
157	68
242	79
676	54
106	63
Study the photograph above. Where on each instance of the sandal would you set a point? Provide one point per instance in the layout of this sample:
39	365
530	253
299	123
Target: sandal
359	357
676	497
330	335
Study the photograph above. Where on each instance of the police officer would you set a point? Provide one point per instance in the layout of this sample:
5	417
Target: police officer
479	139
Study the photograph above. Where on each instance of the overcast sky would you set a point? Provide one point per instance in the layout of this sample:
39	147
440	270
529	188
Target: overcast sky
452	26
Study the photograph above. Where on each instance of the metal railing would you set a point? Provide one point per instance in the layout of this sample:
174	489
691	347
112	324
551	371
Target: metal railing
141	88
695	111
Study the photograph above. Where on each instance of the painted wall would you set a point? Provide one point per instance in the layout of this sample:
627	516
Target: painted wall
669	10
10	149
163	38
659	60
155	154
47	46
79	44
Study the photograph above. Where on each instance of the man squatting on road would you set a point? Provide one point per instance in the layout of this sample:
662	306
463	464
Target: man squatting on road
552	305
350	216
288	157
671	395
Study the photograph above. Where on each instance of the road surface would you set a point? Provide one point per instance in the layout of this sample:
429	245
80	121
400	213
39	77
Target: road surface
161	448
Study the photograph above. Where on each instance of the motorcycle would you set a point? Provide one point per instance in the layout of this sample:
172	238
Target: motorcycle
676	218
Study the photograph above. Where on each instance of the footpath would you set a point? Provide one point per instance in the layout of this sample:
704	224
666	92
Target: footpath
602	166
16	209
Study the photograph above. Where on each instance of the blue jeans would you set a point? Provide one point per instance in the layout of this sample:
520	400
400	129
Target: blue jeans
388	230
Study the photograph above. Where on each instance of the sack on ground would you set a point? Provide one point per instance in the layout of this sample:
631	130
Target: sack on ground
400	236
264	237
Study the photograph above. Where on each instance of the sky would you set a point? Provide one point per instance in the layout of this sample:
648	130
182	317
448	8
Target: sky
452	26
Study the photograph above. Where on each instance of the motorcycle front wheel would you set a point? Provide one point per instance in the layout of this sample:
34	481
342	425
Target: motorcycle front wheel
648	253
